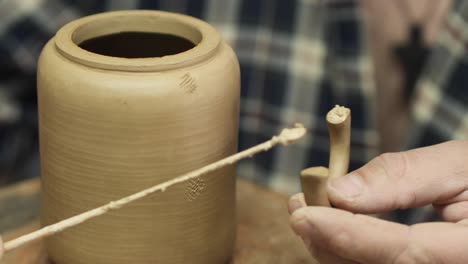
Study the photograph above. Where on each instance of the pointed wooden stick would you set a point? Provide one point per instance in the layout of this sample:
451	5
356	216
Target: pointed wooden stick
286	137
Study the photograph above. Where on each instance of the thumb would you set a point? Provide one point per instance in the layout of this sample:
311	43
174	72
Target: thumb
364	239
404	180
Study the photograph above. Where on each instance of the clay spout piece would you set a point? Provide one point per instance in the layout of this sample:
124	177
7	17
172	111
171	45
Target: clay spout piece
314	180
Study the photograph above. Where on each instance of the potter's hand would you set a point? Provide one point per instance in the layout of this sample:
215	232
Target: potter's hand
436	175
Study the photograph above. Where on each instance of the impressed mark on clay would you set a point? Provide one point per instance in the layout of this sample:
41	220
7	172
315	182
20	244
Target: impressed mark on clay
188	83
194	188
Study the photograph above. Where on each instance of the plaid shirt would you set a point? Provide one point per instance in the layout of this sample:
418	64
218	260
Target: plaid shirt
298	59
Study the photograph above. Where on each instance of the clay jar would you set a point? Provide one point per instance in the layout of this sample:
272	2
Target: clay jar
127	100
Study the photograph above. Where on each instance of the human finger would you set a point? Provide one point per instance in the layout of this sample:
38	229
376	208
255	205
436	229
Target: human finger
404	180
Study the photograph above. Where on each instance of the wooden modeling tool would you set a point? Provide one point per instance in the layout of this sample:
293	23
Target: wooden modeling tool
314	179
287	136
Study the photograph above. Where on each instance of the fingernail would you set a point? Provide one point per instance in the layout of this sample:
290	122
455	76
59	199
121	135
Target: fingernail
308	245
307	242
301	224
294	205
348	186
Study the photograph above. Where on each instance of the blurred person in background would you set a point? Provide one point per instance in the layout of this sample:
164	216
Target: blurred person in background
400	65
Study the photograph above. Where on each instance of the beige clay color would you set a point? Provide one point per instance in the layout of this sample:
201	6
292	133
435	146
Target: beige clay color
111	126
315	179
287	136
314	186
339	128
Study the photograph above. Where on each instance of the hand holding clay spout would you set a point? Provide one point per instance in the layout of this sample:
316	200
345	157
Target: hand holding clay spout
436	175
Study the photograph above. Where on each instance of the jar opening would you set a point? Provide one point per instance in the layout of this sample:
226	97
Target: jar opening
137	44
137	40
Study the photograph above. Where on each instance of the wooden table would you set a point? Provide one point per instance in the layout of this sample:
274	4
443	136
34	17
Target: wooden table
263	233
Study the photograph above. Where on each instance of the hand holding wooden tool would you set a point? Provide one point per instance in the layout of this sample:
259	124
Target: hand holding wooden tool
314	179
286	137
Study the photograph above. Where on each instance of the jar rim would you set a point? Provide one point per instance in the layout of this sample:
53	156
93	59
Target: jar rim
205	37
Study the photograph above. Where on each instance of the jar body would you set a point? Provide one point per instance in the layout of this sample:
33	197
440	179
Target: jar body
107	133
